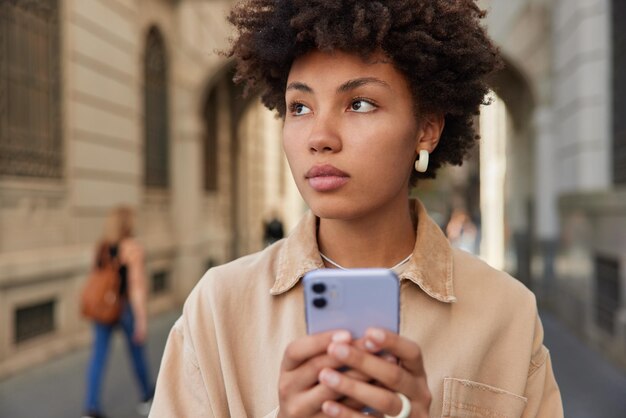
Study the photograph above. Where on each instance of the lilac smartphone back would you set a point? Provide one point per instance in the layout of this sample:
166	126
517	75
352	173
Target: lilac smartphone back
353	300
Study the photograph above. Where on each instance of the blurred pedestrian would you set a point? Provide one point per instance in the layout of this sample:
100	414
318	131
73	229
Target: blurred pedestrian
119	244
462	232
273	230
374	95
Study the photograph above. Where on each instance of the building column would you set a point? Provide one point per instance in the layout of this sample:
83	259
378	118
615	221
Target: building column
493	133
546	190
186	193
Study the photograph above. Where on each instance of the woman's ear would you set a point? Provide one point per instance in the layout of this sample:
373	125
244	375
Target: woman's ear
431	127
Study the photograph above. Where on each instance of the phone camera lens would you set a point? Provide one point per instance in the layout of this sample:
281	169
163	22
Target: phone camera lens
319	288
319	302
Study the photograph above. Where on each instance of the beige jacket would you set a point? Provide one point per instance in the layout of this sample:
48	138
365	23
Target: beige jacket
478	328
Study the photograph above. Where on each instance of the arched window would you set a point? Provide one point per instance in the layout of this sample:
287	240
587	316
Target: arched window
210	141
156	141
30	126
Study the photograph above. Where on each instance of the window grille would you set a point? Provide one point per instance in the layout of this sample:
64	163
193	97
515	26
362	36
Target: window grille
30	126
160	281
607	295
156	112
34	320
210	142
619	91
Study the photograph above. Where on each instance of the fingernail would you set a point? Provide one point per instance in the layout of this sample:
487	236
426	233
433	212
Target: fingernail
329	377
377	335
391	359
341	351
341	337
330	409
370	346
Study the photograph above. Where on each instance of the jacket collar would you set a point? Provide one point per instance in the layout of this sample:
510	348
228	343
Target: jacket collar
430	266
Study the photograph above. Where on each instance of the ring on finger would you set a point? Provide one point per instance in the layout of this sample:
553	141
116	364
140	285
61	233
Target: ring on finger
406	407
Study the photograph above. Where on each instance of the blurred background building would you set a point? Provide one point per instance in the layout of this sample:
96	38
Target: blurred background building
105	102
565	187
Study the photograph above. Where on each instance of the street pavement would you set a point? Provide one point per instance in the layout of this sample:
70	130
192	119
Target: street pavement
591	386
57	388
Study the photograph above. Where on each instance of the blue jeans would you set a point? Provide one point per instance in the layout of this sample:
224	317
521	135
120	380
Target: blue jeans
95	372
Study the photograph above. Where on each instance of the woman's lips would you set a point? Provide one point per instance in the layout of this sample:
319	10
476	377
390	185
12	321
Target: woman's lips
325	178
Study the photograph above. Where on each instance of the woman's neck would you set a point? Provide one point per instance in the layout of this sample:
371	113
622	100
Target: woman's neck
380	240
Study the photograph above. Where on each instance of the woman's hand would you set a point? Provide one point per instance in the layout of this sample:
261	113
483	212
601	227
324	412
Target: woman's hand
300	393
140	332
408	377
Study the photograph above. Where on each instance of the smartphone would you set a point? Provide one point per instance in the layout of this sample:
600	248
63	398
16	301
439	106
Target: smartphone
353	300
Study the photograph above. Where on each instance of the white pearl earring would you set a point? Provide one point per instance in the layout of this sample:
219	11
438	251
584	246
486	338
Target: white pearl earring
421	165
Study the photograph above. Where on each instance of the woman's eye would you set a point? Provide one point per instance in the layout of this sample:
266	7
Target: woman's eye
362	106
298	109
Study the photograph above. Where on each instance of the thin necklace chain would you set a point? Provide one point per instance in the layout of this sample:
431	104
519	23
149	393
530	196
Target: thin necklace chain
329	261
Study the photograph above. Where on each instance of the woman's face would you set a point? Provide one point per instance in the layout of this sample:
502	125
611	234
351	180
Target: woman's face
350	134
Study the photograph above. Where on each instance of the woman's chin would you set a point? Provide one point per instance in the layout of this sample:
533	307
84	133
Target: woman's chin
334	211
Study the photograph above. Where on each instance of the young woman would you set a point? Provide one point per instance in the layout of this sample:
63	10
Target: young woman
118	244
373	94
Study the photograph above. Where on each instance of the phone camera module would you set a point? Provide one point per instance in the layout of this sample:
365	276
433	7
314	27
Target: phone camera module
319	288
319	302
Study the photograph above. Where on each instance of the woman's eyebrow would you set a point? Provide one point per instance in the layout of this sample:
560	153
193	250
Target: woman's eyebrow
345	87
358	82
300	87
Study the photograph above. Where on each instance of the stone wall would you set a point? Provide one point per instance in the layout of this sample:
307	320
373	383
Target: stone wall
48	228
562	52
590	290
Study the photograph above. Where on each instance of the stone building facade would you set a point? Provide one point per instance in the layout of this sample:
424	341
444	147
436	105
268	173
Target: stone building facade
107	102
564	90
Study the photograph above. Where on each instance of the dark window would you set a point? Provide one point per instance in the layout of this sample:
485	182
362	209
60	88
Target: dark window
30	132
607	297
210	141
156	112
34	320
619	91
160	281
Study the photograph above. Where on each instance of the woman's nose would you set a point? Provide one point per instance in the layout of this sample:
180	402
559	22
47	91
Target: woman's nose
324	137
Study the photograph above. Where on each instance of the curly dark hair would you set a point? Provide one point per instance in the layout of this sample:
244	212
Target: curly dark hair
439	45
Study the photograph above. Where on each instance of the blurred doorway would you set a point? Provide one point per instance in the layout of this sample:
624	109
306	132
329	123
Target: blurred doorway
510	168
222	110
243	163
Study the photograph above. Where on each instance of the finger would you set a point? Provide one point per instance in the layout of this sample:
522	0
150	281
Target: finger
307	403
360	343
407	352
322	391
305	376
380	399
309	346
338	410
388	374
294	383
328	393
350	403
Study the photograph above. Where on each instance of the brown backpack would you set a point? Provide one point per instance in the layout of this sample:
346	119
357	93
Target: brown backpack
100	299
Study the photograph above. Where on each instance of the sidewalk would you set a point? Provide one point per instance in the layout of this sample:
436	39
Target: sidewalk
56	389
591	386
